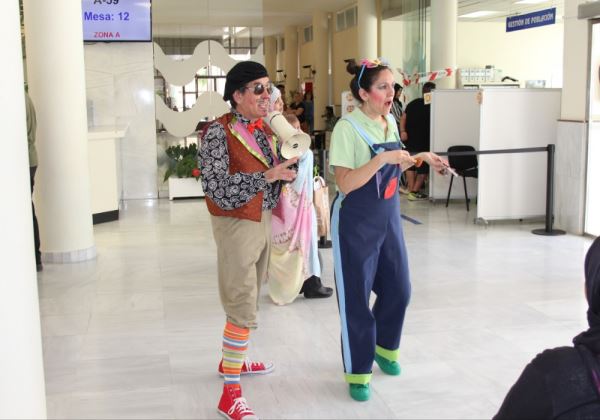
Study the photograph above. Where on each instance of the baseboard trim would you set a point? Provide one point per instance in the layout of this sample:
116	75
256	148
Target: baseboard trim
107	216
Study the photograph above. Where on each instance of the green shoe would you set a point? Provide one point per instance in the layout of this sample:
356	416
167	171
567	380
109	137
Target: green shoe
388	366
360	392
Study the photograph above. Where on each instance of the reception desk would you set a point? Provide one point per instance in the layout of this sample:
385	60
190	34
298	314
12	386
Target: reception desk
104	167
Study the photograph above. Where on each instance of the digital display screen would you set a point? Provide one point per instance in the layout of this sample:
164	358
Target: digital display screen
117	20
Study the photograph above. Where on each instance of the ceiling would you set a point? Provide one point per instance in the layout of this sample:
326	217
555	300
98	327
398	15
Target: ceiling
207	18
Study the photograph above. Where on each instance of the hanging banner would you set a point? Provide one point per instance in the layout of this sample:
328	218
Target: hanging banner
424	77
531	20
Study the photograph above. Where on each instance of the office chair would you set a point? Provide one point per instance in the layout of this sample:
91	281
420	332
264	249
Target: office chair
465	166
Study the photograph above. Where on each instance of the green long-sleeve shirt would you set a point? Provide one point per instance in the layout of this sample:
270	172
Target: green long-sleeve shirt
31	128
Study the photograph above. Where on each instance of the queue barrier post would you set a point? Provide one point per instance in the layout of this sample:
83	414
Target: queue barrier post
550	150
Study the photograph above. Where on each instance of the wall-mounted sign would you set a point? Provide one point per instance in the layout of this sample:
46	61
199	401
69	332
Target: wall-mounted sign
117	20
531	20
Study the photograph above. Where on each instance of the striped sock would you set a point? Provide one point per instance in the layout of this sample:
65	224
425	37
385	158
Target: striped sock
235	344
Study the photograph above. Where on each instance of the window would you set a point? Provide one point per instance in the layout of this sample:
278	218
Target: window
351	17
346	18
308	34
340	21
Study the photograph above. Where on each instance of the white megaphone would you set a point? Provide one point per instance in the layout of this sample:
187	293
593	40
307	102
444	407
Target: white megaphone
293	142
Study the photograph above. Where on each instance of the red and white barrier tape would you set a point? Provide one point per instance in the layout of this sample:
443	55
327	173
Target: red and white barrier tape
417	78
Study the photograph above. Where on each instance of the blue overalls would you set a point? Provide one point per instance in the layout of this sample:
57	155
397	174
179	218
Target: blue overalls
370	256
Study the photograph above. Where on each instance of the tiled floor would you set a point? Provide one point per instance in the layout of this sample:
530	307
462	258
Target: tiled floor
136	333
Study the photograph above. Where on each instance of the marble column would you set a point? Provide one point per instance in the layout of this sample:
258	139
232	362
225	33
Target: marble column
56	78
368	29
22	393
444	16
320	23
291	60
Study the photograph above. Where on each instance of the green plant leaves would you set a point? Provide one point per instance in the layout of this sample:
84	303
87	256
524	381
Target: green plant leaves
182	161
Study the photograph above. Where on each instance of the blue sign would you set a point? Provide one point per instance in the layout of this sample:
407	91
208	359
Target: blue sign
531	20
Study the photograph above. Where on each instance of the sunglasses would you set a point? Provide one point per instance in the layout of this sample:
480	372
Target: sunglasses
259	88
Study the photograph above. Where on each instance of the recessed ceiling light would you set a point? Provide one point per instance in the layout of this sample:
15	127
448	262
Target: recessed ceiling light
530	1
479	14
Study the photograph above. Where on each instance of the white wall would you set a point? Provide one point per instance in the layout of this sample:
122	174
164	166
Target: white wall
120	82
592	220
530	54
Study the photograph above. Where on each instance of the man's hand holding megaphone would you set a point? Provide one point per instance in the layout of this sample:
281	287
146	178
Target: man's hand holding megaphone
282	171
294	142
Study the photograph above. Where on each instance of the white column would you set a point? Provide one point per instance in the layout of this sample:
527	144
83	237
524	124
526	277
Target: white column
444	16
291	59
22	394
572	144
56	76
367	29
320	23
270	49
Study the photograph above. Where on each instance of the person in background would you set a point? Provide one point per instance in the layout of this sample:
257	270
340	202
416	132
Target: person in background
312	287
415	133
33	164
330	118
309	109
242	178
397	112
564	382
276	101
298	109
368	243
281	88
295	232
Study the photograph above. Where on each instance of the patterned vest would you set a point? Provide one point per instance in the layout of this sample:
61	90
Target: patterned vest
240	160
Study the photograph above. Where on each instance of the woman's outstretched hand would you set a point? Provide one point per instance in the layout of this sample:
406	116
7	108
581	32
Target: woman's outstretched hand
281	172
436	162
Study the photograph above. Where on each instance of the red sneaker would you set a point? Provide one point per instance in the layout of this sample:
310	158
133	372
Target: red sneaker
252	368
233	406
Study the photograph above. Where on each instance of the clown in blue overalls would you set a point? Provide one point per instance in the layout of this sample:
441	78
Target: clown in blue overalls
369	253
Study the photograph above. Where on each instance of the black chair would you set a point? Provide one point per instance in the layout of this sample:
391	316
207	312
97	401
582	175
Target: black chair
465	166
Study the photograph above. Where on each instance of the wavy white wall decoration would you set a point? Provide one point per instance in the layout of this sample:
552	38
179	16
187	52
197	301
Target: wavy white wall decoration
180	73
220	58
182	124
259	57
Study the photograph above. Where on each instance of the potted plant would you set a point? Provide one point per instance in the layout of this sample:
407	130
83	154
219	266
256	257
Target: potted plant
183	173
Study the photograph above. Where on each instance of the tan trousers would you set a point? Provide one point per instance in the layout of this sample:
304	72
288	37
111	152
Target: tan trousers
243	251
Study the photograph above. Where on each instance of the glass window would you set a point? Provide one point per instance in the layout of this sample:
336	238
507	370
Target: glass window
351	17
340	22
308	34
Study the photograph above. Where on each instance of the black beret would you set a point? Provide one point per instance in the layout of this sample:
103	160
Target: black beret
240	74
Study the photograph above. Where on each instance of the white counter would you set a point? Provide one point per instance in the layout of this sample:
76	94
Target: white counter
104	173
